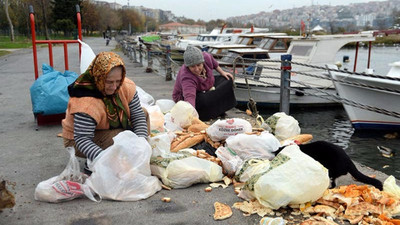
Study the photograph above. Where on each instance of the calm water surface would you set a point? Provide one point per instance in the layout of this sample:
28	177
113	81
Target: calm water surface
333	125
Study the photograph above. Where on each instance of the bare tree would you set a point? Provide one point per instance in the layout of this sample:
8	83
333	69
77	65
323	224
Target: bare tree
9	20
46	30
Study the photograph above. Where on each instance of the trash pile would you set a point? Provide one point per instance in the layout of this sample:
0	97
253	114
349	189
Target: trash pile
183	150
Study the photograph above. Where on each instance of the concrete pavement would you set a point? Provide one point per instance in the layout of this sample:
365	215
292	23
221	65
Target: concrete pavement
29	156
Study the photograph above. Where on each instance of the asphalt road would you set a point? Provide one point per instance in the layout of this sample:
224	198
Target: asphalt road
30	154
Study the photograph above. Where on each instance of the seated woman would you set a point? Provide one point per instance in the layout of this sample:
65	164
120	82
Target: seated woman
196	84
103	102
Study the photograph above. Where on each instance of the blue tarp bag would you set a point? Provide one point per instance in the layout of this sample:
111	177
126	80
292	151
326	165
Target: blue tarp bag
49	93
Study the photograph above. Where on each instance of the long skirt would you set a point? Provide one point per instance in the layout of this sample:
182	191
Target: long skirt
211	104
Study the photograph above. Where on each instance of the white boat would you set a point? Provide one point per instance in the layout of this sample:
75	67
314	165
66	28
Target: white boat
204	40
264	84
382	97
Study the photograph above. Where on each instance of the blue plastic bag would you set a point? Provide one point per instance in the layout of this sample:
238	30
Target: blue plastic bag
49	93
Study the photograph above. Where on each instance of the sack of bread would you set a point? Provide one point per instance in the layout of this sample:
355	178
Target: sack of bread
182	169
222	129
250	146
183	113
282	126
293	178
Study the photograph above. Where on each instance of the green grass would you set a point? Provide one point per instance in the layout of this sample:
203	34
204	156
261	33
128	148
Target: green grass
2	52
19	42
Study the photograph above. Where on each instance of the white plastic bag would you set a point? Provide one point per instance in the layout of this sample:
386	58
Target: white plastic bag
161	144
156	119
250	146
293	178
87	56
144	98
282	126
391	187
66	186
122	171
169	125
222	129
230	160
181	170
165	105
183	113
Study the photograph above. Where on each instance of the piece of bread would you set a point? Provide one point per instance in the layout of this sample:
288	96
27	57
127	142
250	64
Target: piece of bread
197	127
299	139
222	211
186	142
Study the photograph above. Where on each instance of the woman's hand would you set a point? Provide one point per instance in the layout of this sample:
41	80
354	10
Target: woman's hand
227	75
224	74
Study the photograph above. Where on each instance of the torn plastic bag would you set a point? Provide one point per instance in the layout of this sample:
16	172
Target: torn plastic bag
122	171
293	178
49	93
66	186
182	169
230	160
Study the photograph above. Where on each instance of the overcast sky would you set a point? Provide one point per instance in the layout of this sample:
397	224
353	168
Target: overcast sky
222	9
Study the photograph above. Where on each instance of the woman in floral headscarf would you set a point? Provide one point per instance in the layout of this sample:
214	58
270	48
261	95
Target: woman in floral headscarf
103	102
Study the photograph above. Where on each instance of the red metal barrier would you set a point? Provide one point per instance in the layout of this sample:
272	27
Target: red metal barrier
56	118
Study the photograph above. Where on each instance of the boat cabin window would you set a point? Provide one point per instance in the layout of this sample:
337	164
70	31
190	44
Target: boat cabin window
301	50
266	43
213	50
244	41
229	57
257	40
280	45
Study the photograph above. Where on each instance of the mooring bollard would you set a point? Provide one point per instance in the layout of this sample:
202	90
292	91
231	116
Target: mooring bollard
134	53
140	54
286	66
168	75
149	68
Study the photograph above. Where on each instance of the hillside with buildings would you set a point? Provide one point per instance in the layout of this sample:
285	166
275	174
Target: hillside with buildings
374	14
351	17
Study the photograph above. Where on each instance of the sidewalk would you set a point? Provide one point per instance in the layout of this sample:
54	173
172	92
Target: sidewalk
29	156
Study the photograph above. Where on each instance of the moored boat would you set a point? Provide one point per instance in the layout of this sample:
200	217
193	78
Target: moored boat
309	86
373	99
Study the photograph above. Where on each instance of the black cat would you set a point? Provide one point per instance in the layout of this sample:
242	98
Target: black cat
335	159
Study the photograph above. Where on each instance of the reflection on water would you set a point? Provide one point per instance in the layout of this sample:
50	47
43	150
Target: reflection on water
332	124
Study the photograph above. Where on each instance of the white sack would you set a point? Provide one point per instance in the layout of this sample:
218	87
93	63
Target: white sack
293	178
253	146
222	129
181	170
283	126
